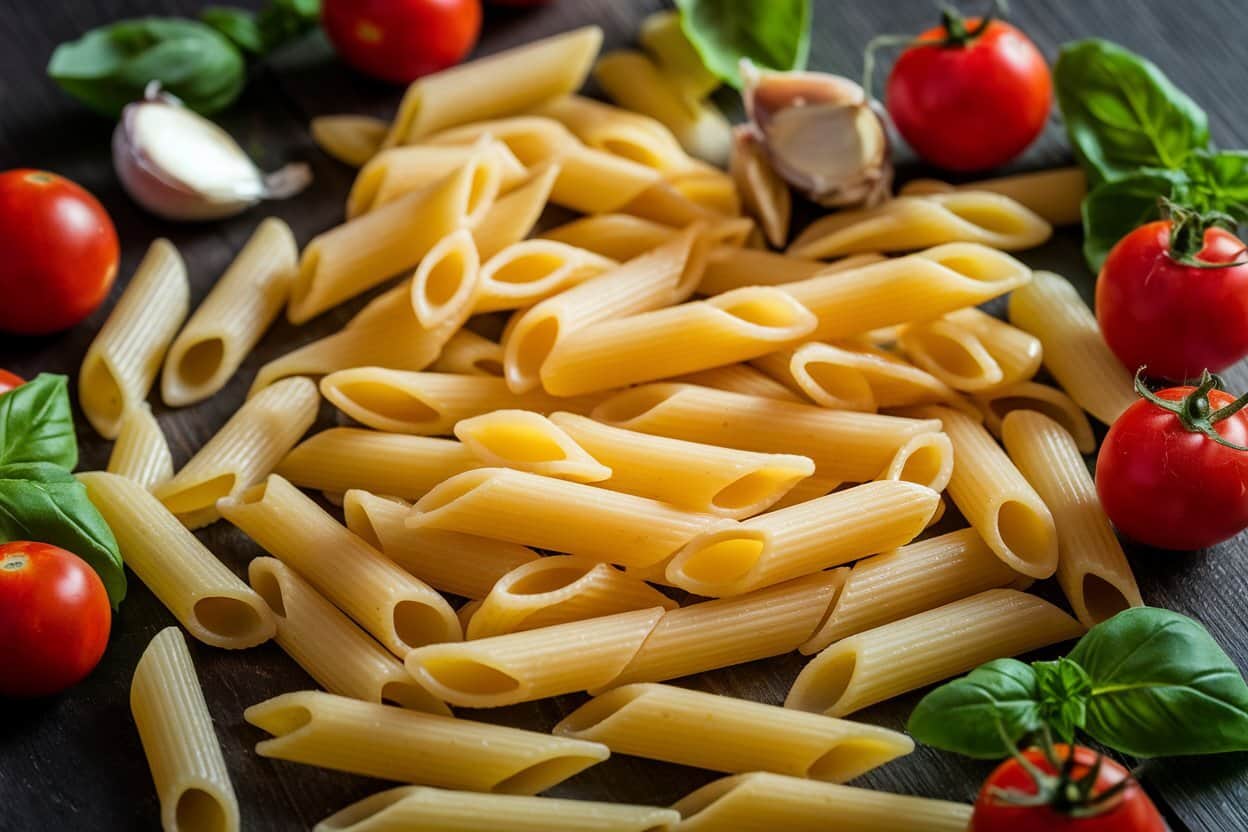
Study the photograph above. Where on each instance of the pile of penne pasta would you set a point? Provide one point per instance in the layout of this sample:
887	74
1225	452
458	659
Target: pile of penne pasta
668	405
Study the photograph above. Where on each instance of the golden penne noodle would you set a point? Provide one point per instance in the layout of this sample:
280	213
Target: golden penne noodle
532	270
741	378
998	403
1057	195
732	267
972	351
625	236
630	135
141	452
513	215
350	139
927	460
468	353
398	171
528	441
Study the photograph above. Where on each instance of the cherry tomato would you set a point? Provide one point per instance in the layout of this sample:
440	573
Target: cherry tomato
10	380
401	40
1132	811
1174	319
60	253
54	619
970	103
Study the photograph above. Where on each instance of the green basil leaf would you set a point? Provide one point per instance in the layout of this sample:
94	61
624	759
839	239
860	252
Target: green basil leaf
37	424
970	715
1113	210
772	33
1064	691
284	20
1122	113
1162	686
239	25
44	502
1220	182
109	67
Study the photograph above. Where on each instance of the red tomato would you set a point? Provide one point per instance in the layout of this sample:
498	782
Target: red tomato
1132	811
1171	487
60	253
54	619
401	40
10	380
972	106
1174	319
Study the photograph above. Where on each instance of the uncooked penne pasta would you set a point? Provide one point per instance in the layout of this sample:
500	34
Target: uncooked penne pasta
1028	395
141	452
393	464
910	580
453	562
507	82
853	378
532	270
558	589
918	287
710	188
233	318
350	139
904	655
620	132
528	441
1057	195
335	652
122	362
764	195
514	214
335	732
1091	567
661	36
729	267
721	733
446	284
625	236
561	516
972	351
808	489
243	452
397	171
192	782
1074	351
434	810
470	354
741	378
398	610
698	477
803	539
762	802
202	593
927	459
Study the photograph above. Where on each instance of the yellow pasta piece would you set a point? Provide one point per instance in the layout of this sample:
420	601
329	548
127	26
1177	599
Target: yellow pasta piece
927	459
528	441
763	802
398	610
619	132
972	351
661	36
397	171
853	378
202	593
1091	567
233	318
122	362
663	202
192	782
764	195
529	271
1074	351
141	452
1057	195
447	283
513	215
710	189
624	236
468	353
1028	395
335	732
741	378
808	489
730	267
243	452
350	139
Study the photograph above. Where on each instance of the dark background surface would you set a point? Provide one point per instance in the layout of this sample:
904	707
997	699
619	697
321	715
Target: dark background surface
75	762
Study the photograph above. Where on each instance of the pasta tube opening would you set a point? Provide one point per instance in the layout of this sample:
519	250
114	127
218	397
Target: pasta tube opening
416	622
530	442
764	308
953	355
756	490
200	497
1026	533
837	385
527	348
1101	598
927	459
200	362
988	212
529	267
545	581
462	675
227	617
541	776
445	279
827	682
382	401
1050	401
629	406
850	758
199	810
719	557
979	263
456	488
100	392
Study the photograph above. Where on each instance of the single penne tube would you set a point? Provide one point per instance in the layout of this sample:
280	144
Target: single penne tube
398	171
335	652
183	752
853	378
393	464
850	447
436	810
735	326
431	404
1074	351
452	562
507	82
730	267
711	189
720	733
343	734
661	36
528	441
803	539
534	664
470	354
620	132
1057	195
561	516
927	460
514	214
351	139
233	318
446	284
243	452
808	489
141	452
206	597
1091	567
918	287
996	404
531	270
913	579
399	610
664	202
972	351
625	236
761	802
740	378
694	476
904	655
764	195
558	589
122	362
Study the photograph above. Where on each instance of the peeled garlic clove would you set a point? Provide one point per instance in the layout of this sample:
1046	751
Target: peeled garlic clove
820	134
181	166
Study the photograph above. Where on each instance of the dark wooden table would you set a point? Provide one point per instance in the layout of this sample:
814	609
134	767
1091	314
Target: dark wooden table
74	761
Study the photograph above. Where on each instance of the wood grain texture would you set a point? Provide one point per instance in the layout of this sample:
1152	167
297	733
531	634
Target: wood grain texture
74	761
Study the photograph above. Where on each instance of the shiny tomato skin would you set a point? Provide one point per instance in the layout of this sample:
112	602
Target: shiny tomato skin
402	40
1133	812
54	619
973	107
60	253
9	380
1170	487
1177	320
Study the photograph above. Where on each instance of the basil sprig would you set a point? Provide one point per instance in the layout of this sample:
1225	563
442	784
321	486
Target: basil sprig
40	499
774	34
1148	682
